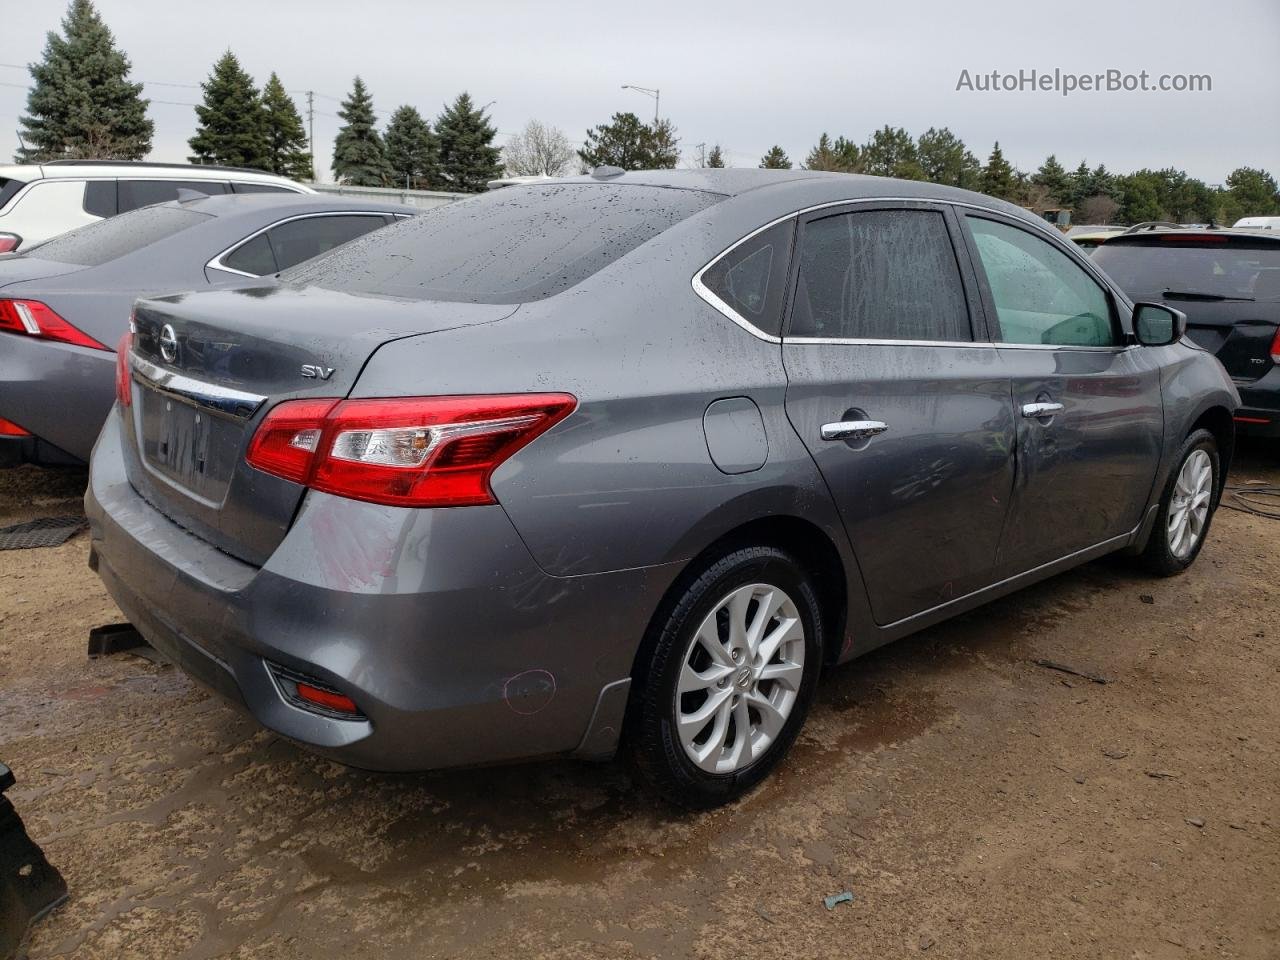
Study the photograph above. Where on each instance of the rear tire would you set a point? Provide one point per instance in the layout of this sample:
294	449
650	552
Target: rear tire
730	677
1186	507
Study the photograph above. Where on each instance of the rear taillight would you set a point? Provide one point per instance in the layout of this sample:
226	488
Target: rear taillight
124	382
10	429
404	451
35	319
9	242
1275	348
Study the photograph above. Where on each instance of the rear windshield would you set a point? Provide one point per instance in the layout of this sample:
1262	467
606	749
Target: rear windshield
514	245
8	187
1212	268
107	240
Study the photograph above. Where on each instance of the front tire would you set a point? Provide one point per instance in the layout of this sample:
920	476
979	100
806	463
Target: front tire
1186	508
730	677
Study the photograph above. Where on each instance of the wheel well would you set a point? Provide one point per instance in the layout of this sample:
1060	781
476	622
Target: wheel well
1217	420
800	538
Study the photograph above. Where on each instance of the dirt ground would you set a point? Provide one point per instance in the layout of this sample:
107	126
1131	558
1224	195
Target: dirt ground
976	804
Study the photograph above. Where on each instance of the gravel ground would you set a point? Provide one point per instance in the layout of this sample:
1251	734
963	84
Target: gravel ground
975	804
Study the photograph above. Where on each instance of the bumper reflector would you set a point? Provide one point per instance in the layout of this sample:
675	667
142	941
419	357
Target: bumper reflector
307	693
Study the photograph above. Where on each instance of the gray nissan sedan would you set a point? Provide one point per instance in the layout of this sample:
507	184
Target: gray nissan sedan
630	458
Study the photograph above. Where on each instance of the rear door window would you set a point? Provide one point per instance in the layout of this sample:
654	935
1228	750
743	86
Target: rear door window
8	188
880	275
105	240
297	240
1041	295
751	278
253	257
100	198
141	193
511	246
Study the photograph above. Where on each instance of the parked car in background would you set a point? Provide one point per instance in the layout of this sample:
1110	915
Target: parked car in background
39	201
1088	238
65	303
1228	284
635	452
1258	223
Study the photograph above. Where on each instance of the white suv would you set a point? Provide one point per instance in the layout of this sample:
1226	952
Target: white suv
39	201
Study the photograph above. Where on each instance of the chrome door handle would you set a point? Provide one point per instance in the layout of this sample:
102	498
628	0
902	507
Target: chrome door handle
1034	411
853	429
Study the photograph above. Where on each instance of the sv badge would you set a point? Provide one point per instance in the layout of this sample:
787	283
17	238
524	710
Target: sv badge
316	372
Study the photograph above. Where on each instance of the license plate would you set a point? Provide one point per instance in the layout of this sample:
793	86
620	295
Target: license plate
187	445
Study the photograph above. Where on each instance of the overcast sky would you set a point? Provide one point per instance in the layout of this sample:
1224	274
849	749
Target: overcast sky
745	74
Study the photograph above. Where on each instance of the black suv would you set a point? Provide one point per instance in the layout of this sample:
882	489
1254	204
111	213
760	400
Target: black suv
1227	282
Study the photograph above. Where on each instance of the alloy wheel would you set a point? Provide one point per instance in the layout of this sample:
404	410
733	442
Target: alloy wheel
1189	506
740	678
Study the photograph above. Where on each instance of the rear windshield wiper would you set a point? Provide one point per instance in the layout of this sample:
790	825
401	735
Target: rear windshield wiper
1197	295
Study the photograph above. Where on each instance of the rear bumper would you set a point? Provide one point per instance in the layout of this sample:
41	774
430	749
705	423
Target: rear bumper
1259	413
455	645
59	392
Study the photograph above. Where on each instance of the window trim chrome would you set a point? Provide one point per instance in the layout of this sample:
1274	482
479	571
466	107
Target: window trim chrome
705	293
218	400
215	263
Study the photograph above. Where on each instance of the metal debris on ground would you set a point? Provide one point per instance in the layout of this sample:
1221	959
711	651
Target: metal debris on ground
1064	668
845	896
44	532
29	886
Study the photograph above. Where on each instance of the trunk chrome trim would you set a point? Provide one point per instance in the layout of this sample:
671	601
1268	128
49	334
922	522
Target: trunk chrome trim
218	400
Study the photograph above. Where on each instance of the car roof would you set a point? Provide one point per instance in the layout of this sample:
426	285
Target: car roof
225	205
809	186
67	169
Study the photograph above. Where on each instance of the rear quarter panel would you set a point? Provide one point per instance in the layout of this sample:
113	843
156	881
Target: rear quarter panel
627	480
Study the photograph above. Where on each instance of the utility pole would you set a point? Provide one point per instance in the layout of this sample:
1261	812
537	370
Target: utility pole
702	153
311	131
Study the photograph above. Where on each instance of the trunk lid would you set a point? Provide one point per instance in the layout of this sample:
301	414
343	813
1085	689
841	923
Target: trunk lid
1238	332
17	268
207	367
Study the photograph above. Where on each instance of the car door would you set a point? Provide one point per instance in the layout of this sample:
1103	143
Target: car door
902	404
1086	402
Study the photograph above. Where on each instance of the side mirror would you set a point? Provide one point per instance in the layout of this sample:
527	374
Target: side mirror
1156	325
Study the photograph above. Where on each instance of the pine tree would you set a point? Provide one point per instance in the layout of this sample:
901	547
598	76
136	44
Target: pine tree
359	157
998	178
468	158
776	159
82	104
715	159
841	156
1053	177
233	122
629	143
410	147
664	152
287	148
891	152
943	158
1254	190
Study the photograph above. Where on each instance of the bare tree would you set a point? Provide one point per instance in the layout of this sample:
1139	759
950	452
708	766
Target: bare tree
1099	208
538	150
